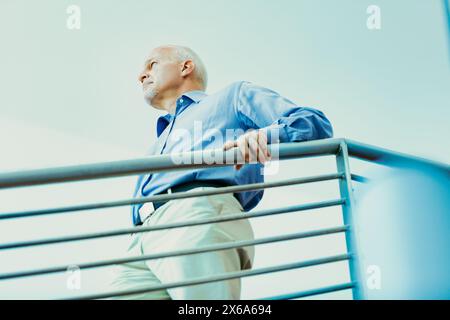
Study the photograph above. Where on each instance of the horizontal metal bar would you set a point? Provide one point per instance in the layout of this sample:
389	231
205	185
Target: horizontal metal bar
221	277
152	164
312	292
236	216
172	196
359	178
213	157
388	157
216	247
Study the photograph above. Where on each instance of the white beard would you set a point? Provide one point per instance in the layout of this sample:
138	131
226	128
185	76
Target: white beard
150	94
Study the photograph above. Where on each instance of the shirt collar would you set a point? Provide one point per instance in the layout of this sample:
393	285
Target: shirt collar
184	101
196	95
162	123
187	98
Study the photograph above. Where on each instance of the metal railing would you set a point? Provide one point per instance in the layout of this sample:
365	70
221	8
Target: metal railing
341	148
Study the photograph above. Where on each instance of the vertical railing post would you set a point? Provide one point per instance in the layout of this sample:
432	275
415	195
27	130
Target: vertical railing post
345	188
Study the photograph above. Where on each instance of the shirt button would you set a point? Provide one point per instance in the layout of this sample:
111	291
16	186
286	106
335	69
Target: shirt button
181	100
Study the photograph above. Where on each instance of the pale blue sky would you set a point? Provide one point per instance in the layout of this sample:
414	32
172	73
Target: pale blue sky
71	96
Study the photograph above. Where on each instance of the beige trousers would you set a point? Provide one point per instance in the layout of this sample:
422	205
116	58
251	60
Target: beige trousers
135	275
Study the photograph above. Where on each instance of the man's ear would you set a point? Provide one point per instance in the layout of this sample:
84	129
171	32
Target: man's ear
188	68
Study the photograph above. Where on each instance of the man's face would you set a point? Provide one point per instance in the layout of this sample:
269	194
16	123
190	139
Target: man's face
161	76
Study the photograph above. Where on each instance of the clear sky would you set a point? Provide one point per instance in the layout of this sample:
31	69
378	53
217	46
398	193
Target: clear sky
72	96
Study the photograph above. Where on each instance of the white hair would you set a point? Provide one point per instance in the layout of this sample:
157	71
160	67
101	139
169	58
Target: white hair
184	53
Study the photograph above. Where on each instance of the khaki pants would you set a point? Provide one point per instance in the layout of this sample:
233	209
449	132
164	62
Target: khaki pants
135	275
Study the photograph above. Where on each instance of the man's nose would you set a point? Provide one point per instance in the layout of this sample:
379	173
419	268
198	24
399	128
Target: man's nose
142	77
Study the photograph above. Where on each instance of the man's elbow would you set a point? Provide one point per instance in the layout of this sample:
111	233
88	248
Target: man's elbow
321	127
327	130
311	125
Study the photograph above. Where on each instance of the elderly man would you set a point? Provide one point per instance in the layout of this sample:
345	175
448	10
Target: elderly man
174	80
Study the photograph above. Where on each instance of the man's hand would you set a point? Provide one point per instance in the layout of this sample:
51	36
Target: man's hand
253	147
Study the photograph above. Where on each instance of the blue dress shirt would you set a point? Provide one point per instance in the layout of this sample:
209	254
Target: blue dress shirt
207	121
